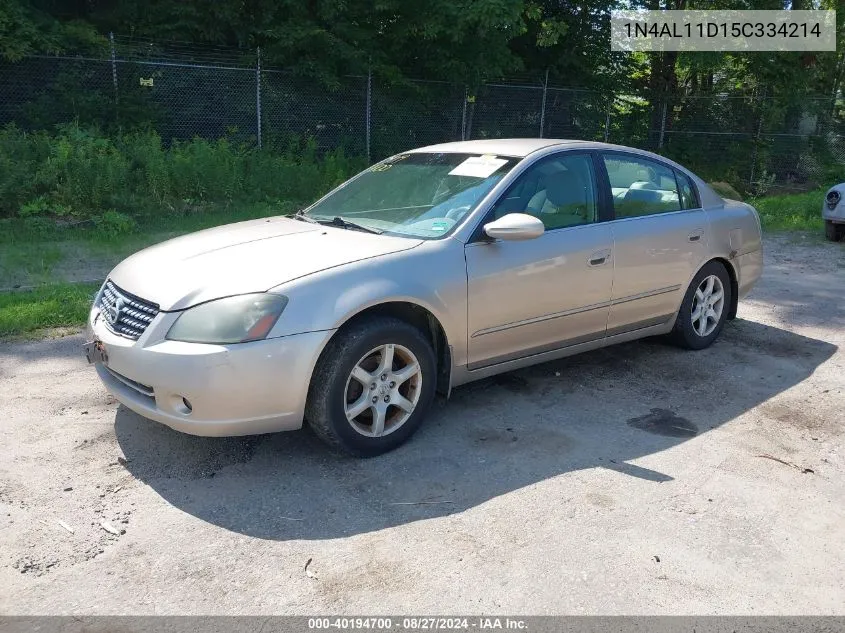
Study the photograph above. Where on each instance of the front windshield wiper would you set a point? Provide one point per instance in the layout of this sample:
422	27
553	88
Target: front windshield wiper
336	221
346	224
299	215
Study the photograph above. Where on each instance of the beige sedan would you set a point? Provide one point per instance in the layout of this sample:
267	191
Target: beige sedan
431	269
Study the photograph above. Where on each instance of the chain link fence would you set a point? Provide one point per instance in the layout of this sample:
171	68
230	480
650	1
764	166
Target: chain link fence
185	91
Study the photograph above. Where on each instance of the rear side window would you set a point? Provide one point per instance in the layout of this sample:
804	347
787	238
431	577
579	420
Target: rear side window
641	187
689	199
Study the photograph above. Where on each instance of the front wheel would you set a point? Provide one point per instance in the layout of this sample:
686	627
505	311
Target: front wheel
832	231
704	309
372	386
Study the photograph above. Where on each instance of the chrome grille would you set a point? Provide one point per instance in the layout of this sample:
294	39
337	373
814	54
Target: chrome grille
124	313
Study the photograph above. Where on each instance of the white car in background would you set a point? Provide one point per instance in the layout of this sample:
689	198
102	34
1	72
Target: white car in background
833	212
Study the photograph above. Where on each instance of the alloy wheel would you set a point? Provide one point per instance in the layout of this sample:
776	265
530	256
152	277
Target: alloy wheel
707	305
382	390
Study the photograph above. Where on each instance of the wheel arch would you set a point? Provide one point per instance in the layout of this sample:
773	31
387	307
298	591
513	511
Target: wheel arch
732	274
421	318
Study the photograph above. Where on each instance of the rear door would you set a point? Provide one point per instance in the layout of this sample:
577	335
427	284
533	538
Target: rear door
660	238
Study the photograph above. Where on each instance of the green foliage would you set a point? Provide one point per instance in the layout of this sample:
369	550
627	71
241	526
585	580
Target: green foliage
41	227
725	190
113	224
59	305
26	30
42	206
465	40
19	31
801	211
763	184
83	175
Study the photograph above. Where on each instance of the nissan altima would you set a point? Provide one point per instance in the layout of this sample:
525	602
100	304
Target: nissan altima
430	269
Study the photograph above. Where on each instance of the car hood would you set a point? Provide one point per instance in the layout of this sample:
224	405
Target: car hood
251	256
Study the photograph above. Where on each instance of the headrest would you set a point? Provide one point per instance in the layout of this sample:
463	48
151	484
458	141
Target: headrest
643	195
564	188
643	184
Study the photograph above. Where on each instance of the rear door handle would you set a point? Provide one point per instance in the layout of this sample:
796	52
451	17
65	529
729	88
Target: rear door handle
696	235
598	258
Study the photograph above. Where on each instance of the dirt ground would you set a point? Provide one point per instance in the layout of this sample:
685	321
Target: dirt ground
640	479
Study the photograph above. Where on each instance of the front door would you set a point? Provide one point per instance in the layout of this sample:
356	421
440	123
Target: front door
527	297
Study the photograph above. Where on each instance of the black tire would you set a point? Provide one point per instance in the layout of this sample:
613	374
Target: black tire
324	409
832	231
684	334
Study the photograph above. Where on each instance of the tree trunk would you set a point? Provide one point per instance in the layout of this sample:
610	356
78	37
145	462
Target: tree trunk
663	79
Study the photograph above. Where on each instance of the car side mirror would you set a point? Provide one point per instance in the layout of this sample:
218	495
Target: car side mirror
515	226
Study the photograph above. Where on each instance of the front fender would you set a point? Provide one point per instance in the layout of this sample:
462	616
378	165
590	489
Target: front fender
432	276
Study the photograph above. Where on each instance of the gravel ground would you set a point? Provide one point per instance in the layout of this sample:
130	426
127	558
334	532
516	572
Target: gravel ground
639	479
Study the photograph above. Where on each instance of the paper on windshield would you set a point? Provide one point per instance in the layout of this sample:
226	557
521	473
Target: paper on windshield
478	166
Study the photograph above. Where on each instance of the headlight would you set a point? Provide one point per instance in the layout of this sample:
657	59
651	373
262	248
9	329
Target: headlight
231	320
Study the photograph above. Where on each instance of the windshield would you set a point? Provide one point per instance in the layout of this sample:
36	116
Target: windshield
420	195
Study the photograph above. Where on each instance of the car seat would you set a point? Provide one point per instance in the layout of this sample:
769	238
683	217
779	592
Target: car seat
563	201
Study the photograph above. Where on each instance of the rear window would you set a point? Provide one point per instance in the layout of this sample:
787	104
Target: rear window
687	192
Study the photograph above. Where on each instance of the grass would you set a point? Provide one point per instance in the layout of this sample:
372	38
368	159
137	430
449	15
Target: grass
157	228
35	261
792	212
163	221
81	252
57	305
39	257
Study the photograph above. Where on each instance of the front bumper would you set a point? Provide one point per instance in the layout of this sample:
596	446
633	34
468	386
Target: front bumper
210	390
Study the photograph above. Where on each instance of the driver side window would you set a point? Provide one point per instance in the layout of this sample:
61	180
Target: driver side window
560	190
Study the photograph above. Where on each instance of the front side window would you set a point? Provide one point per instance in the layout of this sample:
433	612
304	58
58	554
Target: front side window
560	190
420	195
640	186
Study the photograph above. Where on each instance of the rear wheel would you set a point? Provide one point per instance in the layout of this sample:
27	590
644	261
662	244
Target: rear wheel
372	386
704	309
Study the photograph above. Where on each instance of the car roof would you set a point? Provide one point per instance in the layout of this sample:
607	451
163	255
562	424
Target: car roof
522	147
519	147
505	146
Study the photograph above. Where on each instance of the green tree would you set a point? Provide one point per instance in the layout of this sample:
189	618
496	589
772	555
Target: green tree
26	29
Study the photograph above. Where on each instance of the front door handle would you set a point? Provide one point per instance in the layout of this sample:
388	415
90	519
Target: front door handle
696	235
599	258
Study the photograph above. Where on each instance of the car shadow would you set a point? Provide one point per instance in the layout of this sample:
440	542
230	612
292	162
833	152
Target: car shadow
601	409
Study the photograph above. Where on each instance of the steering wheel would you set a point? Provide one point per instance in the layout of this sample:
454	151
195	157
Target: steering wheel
457	213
